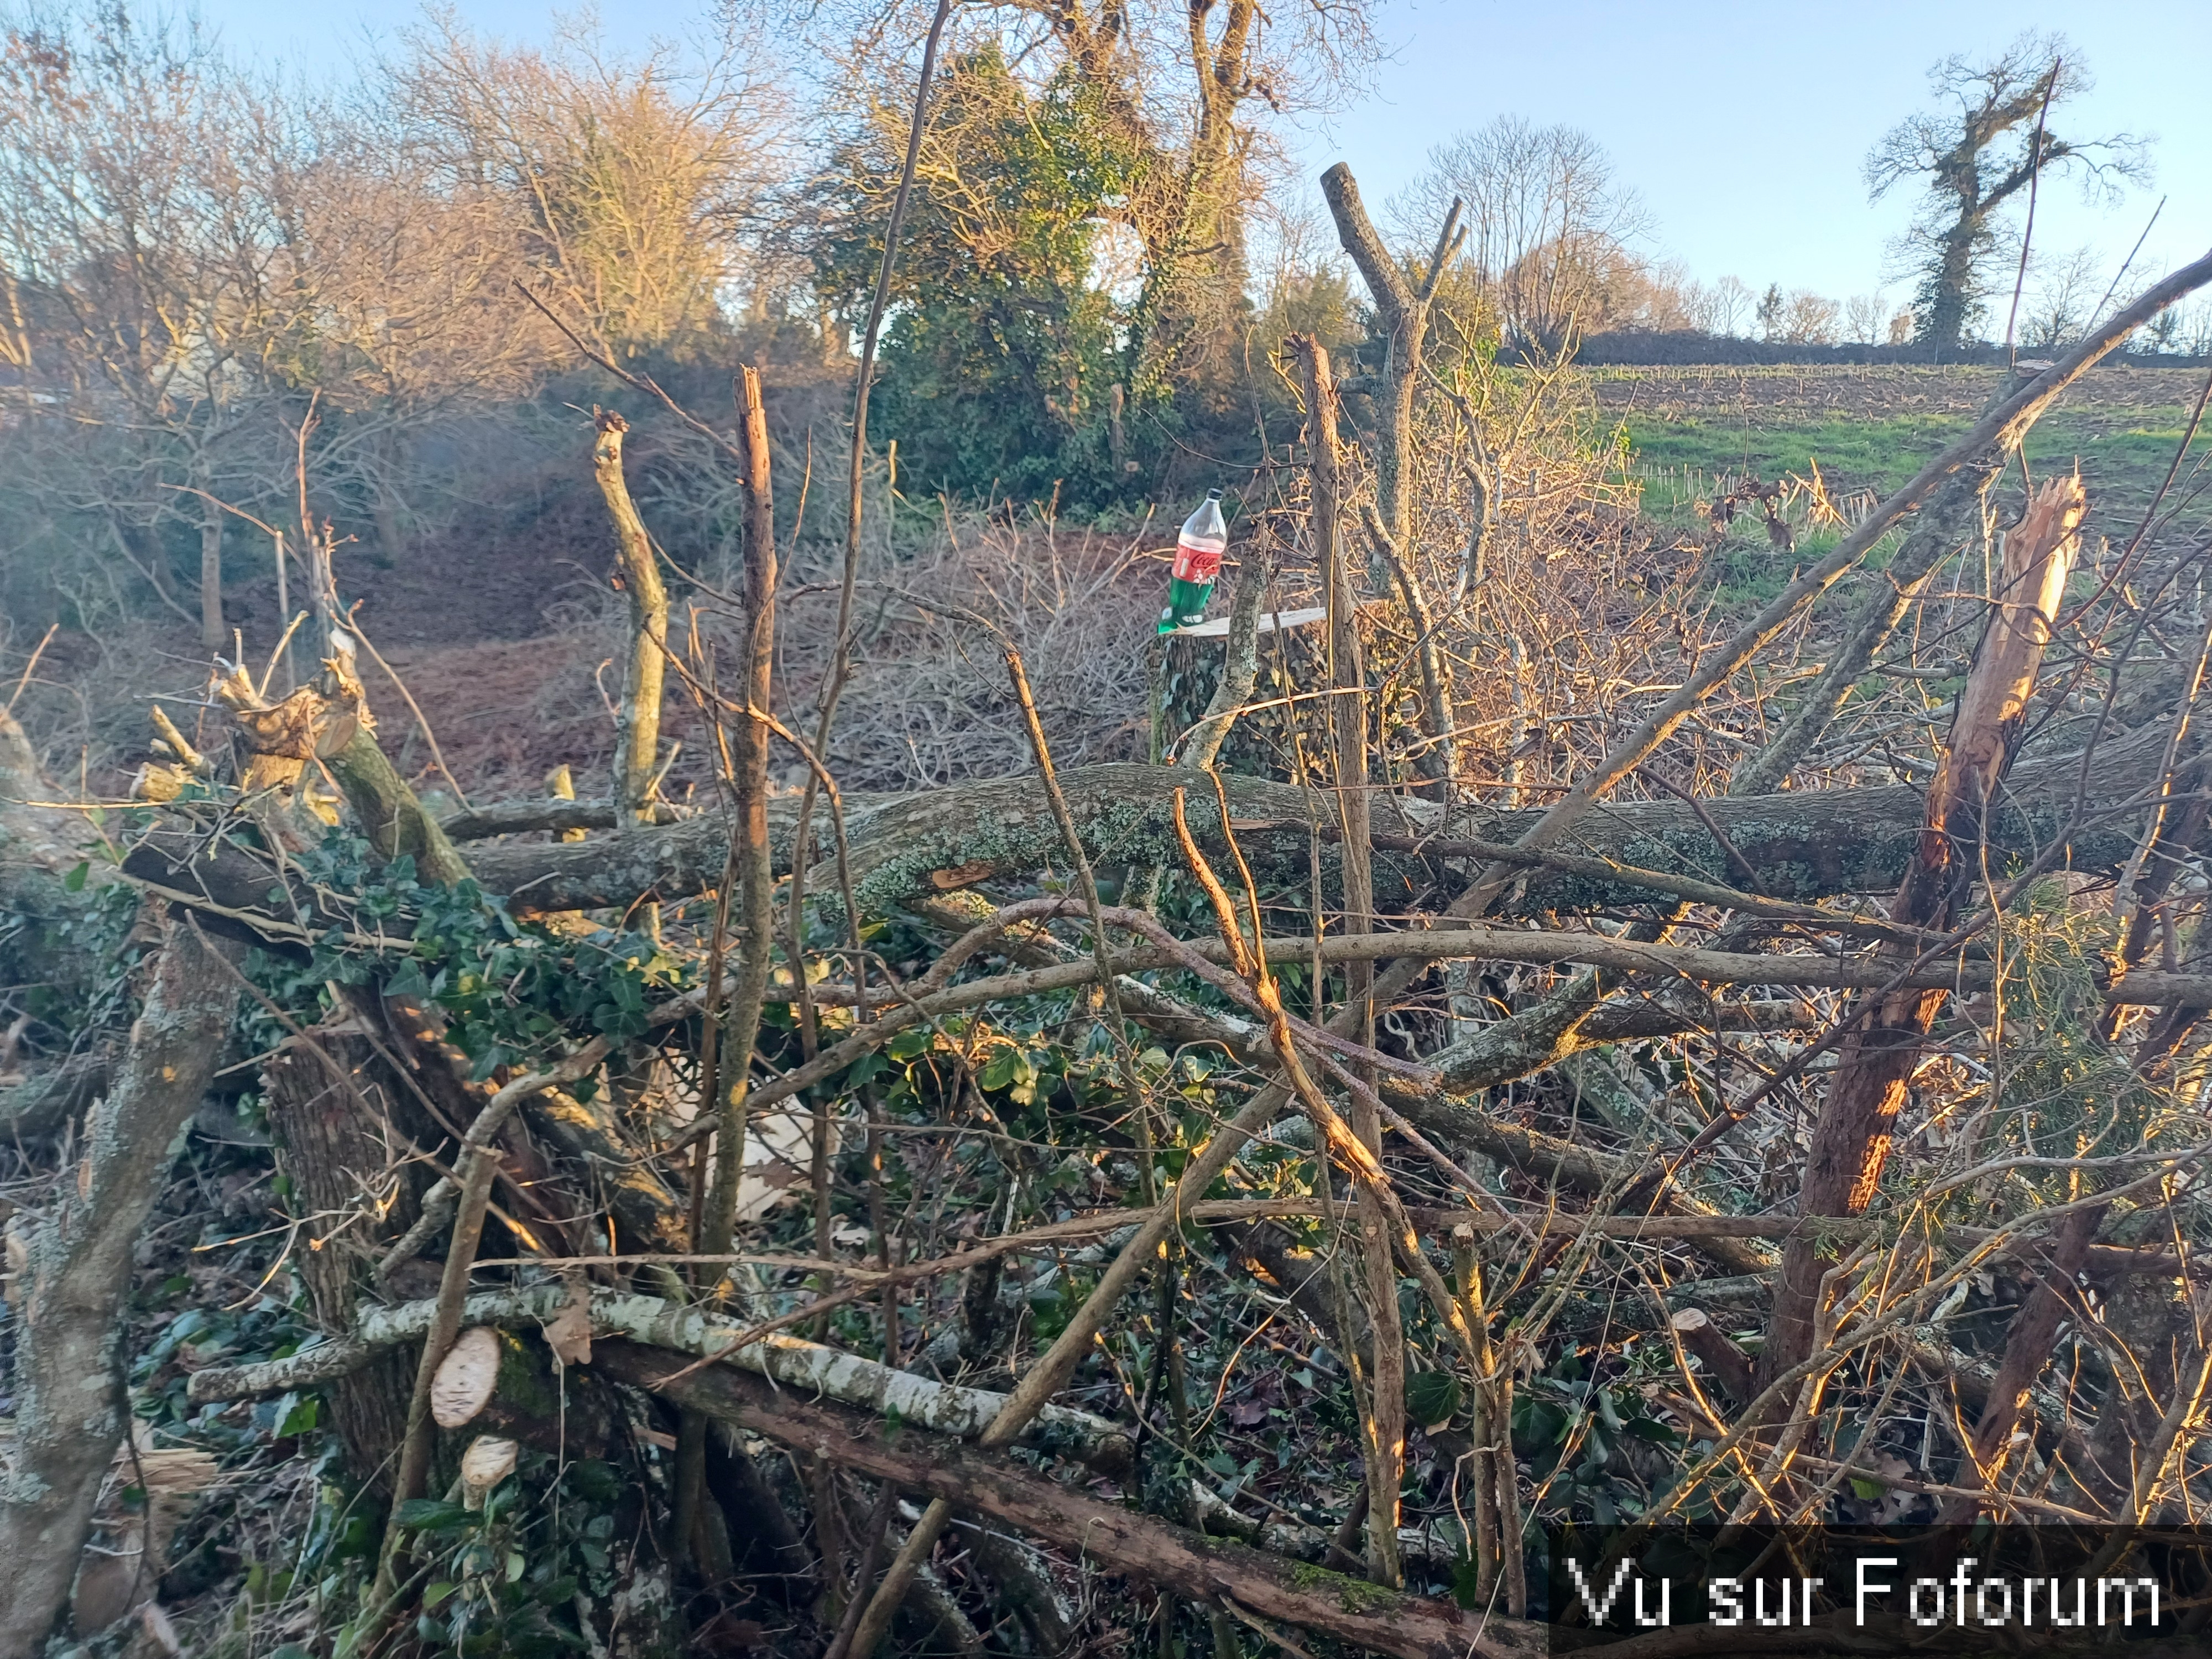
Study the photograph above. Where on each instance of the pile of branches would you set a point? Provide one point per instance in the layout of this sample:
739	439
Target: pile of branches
824	1223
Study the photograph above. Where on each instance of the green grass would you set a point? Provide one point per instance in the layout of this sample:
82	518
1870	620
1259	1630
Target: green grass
1883	453
2123	457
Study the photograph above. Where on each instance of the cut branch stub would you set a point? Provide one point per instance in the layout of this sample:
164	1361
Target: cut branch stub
488	1461
637	746
466	1376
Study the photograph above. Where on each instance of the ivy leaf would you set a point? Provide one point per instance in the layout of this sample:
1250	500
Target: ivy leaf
1431	1397
408	981
1465	1584
431	1515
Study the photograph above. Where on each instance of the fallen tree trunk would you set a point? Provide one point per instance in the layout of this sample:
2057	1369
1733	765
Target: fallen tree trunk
1208	1570
38	1107
943	1407
1802	845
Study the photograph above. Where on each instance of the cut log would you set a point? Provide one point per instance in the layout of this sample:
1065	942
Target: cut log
1727	1365
813	1367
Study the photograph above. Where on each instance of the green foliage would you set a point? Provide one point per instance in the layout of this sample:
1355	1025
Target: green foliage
1588	1432
509	987
513	1576
1001	344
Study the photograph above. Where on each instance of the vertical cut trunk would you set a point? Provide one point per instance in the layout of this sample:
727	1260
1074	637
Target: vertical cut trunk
1851	1138
755	876
1402	308
332	1154
637	746
1384	1424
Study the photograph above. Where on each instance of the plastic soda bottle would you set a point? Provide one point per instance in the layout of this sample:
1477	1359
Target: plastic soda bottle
1197	564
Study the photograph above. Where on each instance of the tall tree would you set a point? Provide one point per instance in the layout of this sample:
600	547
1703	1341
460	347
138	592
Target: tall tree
998	359
1977	154
139	242
1176	92
1548	225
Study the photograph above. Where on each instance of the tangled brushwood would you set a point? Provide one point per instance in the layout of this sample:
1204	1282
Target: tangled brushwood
1540	1039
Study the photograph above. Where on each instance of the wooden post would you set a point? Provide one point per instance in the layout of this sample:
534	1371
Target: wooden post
638	744
1402	306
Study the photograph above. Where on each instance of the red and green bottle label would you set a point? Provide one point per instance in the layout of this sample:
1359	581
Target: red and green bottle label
1197	567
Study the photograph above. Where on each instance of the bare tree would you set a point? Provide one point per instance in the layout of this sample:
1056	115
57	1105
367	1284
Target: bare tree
415	320
632	178
1547	223
1953	156
2059	301
140	250
1863	319
1723	307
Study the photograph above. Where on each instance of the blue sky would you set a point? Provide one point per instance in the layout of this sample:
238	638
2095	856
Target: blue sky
1743	125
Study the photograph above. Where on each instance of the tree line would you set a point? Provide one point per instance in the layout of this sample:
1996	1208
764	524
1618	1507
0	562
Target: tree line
218	278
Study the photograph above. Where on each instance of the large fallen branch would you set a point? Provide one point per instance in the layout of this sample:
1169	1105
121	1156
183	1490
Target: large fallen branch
1210	1571
943	1407
1801	845
1852	1136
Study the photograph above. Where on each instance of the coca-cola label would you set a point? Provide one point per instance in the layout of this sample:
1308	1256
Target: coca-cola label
1197	565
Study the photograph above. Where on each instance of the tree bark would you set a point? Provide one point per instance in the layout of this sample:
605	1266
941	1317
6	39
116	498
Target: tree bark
1382	1424
637	747
391	818
320	1111
755	868
70	1414
810	1368
2028	1349
213	634
1402	307
1802	845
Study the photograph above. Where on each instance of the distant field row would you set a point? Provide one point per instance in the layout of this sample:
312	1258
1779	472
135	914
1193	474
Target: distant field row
1801	391
1870	428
